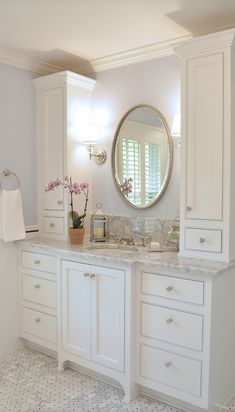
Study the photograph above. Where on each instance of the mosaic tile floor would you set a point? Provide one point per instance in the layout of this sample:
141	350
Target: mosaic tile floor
29	382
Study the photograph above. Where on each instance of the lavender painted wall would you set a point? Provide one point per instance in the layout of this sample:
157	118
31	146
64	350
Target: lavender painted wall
18	153
156	82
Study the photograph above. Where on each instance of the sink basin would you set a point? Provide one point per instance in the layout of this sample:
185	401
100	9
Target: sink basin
112	248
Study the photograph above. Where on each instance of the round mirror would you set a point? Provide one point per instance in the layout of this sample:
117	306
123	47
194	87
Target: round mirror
142	156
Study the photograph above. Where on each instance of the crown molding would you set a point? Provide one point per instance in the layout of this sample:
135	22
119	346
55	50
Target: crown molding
141	54
203	44
27	63
65	76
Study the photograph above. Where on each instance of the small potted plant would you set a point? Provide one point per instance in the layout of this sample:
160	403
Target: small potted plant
77	231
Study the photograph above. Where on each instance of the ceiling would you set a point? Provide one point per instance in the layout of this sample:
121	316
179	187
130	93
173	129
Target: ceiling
70	34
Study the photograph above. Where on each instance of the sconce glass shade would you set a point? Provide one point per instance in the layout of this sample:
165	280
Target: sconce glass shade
99	156
175	130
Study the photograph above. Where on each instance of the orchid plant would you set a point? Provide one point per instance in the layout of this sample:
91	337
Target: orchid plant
74	189
126	186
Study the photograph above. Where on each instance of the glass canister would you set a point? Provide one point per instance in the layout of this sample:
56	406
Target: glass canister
98	225
174	234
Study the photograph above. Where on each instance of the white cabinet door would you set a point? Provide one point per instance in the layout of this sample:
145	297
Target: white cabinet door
205	138
52	135
108	317
76	308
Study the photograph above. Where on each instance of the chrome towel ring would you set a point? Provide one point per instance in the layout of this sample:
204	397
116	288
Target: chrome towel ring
7	172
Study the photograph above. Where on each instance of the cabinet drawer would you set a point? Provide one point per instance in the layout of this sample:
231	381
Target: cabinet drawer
40	325
38	261
170	369
54	225
203	239
173	326
174	288
37	290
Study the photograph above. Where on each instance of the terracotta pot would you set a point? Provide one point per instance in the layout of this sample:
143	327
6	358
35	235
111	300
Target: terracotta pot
76	236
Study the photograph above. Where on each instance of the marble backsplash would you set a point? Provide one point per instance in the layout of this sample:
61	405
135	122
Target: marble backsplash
141	229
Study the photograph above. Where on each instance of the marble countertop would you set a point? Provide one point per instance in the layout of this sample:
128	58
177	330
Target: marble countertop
107	252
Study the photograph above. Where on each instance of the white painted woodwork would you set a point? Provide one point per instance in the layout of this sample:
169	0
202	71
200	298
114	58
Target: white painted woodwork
61	98
39	261
205	138
207	135
40	325
108	307
54	225
176	327
76	309
173	288
53	145
170	369
38	290
203	239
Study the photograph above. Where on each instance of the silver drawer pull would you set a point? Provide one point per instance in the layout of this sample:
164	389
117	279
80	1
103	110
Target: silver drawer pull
59	202
86	275
37	286
167	364
202	240
37	320
169	321
92	275
169	288
37	262
52	224
189	208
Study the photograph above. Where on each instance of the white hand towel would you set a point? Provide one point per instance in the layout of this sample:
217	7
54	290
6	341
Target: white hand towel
11	216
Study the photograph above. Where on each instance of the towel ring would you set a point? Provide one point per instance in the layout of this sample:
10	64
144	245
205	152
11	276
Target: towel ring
7	172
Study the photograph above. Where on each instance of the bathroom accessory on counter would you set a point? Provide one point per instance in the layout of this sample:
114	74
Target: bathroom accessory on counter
99	225
11	212
155	247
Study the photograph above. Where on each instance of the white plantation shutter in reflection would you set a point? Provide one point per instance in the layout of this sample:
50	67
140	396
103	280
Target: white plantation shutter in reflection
142	162
152	171
132	168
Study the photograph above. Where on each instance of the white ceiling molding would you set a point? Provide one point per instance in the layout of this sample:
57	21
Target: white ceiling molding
138	55
27	63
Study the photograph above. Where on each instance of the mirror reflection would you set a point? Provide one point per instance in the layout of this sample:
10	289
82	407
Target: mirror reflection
142	156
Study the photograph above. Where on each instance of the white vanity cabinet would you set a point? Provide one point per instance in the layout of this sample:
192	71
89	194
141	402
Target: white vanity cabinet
62	99
38	297
93	313
184	342
207	152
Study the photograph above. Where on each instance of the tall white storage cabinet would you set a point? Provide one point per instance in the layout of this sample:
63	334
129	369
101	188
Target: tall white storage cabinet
207	157
62	101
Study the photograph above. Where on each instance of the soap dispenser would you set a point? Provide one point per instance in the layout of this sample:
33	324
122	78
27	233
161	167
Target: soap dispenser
98	225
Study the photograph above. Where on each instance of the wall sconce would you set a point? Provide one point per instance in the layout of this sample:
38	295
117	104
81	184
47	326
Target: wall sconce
176	125
100	155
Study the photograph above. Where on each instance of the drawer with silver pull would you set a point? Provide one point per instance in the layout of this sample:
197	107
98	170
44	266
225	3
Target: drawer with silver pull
172	326
38	261
173	288
168	368
40	291
207	240
54	225
39	325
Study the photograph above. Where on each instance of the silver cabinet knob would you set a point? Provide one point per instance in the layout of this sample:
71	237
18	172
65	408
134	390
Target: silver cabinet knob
37	320
37	286
86	275
92	275
189	208
167	364
52	224
37	262
169	288
169	321
59	202
202	240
